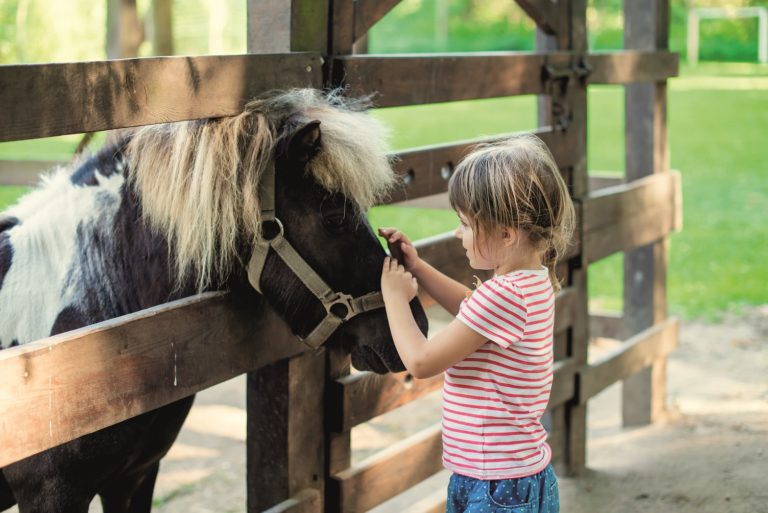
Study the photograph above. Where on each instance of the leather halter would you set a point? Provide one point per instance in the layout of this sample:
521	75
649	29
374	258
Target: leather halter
339	307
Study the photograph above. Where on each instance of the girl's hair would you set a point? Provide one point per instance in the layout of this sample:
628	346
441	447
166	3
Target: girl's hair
515	183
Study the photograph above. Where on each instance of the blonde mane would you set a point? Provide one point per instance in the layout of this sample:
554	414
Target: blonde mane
198	180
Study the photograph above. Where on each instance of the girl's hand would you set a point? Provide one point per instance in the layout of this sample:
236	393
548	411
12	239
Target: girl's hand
400	248
397	283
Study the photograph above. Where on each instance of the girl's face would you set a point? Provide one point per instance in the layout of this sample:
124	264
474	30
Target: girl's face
485	260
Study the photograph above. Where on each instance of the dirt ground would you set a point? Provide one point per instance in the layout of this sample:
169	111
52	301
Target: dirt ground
709	455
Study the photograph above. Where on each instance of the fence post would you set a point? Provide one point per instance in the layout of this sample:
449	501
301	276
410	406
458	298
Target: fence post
568	108
286	424
646	28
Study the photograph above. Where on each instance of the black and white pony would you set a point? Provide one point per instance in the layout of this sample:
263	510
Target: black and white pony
171	210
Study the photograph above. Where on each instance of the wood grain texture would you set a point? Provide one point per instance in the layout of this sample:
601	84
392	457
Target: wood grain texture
420	79
42	100
390	471
368	12
63	387
306	501
627	66
426	170
545	13
627	216
637	353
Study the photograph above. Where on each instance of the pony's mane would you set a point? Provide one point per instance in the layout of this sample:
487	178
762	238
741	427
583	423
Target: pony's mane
198	180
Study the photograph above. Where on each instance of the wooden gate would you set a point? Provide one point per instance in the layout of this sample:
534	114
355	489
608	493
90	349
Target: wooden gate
302	406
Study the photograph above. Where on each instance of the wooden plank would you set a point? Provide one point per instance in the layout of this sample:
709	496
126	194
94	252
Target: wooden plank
426	170
607	325
24	172
125	32
420	79
365	395
544	13
636	354
627	66
306	501
69	385
601	181
627	216
285	413
162	27
390	471
368	12
645	296
564	384
42	100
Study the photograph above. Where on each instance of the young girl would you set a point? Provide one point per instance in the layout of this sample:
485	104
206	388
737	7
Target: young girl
516	219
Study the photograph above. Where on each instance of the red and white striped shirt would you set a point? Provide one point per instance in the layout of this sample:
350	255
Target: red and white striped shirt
493	400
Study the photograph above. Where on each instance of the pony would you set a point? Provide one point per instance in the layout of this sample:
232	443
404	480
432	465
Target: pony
170	210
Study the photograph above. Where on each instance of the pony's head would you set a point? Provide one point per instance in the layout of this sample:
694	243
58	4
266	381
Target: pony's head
200	184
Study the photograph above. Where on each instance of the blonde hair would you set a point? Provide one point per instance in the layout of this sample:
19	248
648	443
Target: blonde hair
515	183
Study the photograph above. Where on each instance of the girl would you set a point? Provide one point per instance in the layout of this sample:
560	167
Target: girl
516	218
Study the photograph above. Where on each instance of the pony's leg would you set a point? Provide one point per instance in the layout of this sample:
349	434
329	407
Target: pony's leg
53	496
132	494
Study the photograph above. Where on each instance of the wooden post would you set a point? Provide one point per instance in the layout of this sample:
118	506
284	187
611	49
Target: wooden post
568	107
286	449
124	31
646	28
162	27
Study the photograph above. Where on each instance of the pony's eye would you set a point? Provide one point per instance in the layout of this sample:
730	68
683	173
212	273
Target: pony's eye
335	221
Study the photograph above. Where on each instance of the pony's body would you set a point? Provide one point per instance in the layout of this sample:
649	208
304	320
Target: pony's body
114	235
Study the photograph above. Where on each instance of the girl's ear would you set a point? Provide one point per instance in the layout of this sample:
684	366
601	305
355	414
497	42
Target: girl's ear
508	237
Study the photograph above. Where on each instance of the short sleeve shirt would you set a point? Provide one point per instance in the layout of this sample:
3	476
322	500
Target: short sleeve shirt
493	400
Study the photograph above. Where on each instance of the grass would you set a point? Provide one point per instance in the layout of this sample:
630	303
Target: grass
718	118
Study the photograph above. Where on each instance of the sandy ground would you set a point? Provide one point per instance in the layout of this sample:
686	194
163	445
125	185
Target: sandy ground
709	455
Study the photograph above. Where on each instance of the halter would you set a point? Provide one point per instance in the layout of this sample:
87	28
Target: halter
339	307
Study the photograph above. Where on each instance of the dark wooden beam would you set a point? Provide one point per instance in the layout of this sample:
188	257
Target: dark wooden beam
399	80
637	353
63	387
545	13
368	12
42	100
390	471
628	216
628	66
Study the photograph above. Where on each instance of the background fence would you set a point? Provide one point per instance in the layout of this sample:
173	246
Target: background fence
310	402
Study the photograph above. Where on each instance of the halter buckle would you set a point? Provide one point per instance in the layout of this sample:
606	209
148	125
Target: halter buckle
340	305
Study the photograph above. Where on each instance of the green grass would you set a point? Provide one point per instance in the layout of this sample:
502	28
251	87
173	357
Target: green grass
718	119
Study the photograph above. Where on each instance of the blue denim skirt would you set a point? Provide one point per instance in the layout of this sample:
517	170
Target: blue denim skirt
533	494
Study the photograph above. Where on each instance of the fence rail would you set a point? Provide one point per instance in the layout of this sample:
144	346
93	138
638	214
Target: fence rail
60	388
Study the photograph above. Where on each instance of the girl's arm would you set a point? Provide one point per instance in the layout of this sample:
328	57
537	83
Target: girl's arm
422	358
448	292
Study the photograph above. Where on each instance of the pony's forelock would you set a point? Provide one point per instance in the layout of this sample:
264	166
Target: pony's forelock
198	180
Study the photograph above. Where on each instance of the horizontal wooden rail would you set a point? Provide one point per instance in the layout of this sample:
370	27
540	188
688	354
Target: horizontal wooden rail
389	472
359	397
306	501
365	395
627	216
24	172
630	66
426	170
417	79
635	354
69	385
41	100
607	325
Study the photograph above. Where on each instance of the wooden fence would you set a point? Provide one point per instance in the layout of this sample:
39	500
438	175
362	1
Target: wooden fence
310	402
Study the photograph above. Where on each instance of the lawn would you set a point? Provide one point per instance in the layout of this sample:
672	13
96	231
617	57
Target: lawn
718	118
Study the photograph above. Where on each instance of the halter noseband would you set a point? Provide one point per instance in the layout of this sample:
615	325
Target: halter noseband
339	307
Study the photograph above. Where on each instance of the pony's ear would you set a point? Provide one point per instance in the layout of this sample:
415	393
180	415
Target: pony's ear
304	142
